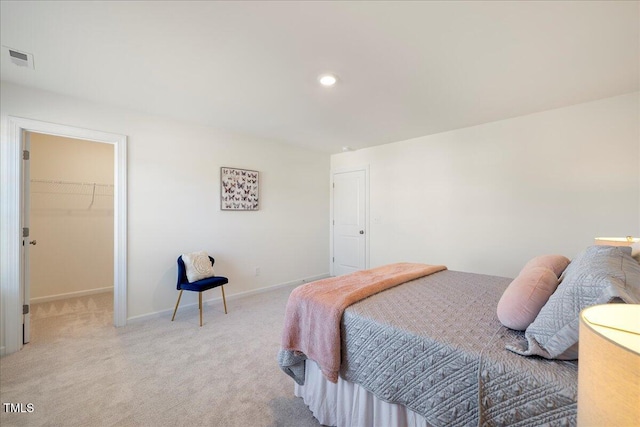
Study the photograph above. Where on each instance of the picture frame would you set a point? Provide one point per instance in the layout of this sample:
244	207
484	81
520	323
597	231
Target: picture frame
239	189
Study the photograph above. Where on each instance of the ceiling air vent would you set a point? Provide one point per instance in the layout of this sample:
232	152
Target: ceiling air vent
21	59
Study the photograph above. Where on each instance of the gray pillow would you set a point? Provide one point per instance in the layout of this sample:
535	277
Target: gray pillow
598	275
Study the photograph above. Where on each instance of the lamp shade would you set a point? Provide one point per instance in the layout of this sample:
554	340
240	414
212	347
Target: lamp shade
609	366
616	241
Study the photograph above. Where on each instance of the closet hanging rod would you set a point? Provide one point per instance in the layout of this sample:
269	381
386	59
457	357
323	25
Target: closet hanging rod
47	181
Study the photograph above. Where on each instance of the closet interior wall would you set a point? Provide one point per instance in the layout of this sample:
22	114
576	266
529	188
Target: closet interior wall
71	217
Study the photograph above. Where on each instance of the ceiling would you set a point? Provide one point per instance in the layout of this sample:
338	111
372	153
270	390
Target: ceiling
405	69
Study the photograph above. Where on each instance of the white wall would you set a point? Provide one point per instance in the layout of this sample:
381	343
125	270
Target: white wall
72	224
487	198
173	200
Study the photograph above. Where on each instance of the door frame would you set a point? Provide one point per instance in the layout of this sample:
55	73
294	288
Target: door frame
11	222
364	169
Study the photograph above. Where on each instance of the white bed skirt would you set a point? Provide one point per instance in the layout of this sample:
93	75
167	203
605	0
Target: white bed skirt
348	405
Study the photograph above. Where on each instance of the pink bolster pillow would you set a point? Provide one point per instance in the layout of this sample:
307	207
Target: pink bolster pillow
529	292
555	263
524	297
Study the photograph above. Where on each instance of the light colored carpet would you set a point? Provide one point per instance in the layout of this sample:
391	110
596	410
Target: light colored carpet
81	371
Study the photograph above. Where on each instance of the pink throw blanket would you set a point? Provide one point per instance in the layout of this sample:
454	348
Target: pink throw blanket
314	311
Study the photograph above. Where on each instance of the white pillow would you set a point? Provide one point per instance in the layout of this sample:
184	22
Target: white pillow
198	266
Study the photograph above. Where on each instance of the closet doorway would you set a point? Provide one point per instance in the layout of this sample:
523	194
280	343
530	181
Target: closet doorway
71	220
14	240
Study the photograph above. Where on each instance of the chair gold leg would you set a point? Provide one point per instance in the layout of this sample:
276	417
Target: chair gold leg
224	301
177	303
200	305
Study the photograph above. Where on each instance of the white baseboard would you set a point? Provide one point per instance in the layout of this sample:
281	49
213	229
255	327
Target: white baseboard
70	295
272	288
231	297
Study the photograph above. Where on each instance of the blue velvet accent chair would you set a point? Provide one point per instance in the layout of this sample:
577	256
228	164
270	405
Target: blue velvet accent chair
198	286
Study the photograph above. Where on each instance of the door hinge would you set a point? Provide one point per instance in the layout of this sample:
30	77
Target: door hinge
25	231
25	309
25	154
334	259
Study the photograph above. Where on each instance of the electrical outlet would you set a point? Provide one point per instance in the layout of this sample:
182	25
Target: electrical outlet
257	271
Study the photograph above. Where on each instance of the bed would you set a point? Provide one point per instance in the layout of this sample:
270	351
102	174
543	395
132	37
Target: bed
432	352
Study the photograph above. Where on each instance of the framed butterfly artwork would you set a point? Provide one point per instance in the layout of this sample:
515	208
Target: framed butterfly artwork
239	189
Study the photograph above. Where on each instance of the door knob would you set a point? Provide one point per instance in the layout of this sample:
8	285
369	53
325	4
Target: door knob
361	231
32	242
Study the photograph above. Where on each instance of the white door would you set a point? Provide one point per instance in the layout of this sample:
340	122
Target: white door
26	238
349	222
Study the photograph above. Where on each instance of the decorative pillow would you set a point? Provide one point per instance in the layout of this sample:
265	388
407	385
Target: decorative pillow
198	266
598	275
522	300
555	263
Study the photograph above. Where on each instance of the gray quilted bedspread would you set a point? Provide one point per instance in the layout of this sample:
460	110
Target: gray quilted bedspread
436	346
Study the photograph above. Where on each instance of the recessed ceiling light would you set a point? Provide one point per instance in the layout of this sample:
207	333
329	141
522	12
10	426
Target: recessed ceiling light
327	80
